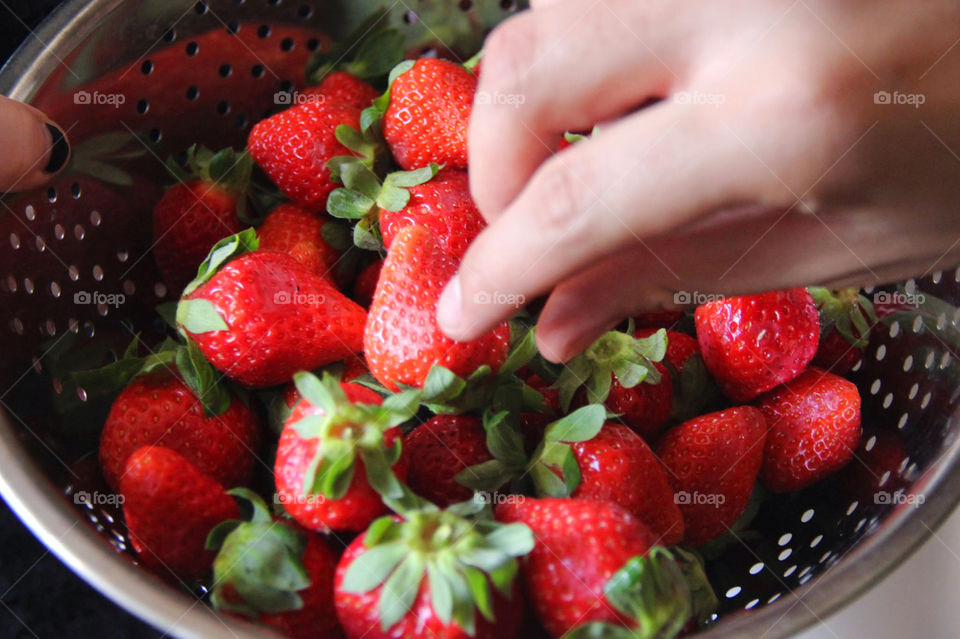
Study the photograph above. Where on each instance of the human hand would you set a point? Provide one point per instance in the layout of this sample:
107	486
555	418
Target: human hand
796	143
34	149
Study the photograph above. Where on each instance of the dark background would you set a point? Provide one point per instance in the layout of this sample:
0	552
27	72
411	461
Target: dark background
39	596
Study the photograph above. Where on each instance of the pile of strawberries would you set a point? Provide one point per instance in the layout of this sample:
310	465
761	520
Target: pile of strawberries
313	449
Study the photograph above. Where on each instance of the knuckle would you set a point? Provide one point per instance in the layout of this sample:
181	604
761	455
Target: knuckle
509	53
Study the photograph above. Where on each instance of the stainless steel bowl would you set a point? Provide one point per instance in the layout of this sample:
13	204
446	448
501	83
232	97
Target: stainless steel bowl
133	82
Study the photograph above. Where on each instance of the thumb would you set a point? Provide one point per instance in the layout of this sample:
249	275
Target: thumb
35	149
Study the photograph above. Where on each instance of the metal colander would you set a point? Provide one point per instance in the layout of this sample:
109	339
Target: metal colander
133	82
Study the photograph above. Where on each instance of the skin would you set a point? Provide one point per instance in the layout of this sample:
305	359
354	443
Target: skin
768	162
26	147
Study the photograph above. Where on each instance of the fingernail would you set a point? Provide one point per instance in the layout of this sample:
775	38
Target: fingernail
59	149
450	307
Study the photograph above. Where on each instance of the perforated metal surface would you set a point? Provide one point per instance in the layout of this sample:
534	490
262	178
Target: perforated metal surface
77	280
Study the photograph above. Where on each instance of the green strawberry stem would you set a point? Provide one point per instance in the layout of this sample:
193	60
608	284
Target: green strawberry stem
846	311
461	551
346	430
629	358
258	568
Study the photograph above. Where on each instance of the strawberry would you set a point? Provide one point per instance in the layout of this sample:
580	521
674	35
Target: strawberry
617	466
170	506
680	346
272	572
444	446
343	87
713	461
366	283
551	396
430	101
296	231
294	146
846	317
442	205
591	562
402	341
338	448
263	316
814	423
623	373
422	576
159	409
203	207
754	343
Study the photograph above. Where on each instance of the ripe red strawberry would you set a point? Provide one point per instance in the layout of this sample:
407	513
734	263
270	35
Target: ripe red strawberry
159	409
199	210
270	570
264	316
402	341
551	396
443	446
443	206
580	546
617	466
814	423
680	346
294	146
712	462
426	120
323	465
340	86
751	344
390	562
366	283
623	373
170	507
296	231
846	318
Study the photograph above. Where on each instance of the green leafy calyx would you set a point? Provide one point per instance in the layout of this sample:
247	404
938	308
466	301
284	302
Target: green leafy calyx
345	430
258	567
461	555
